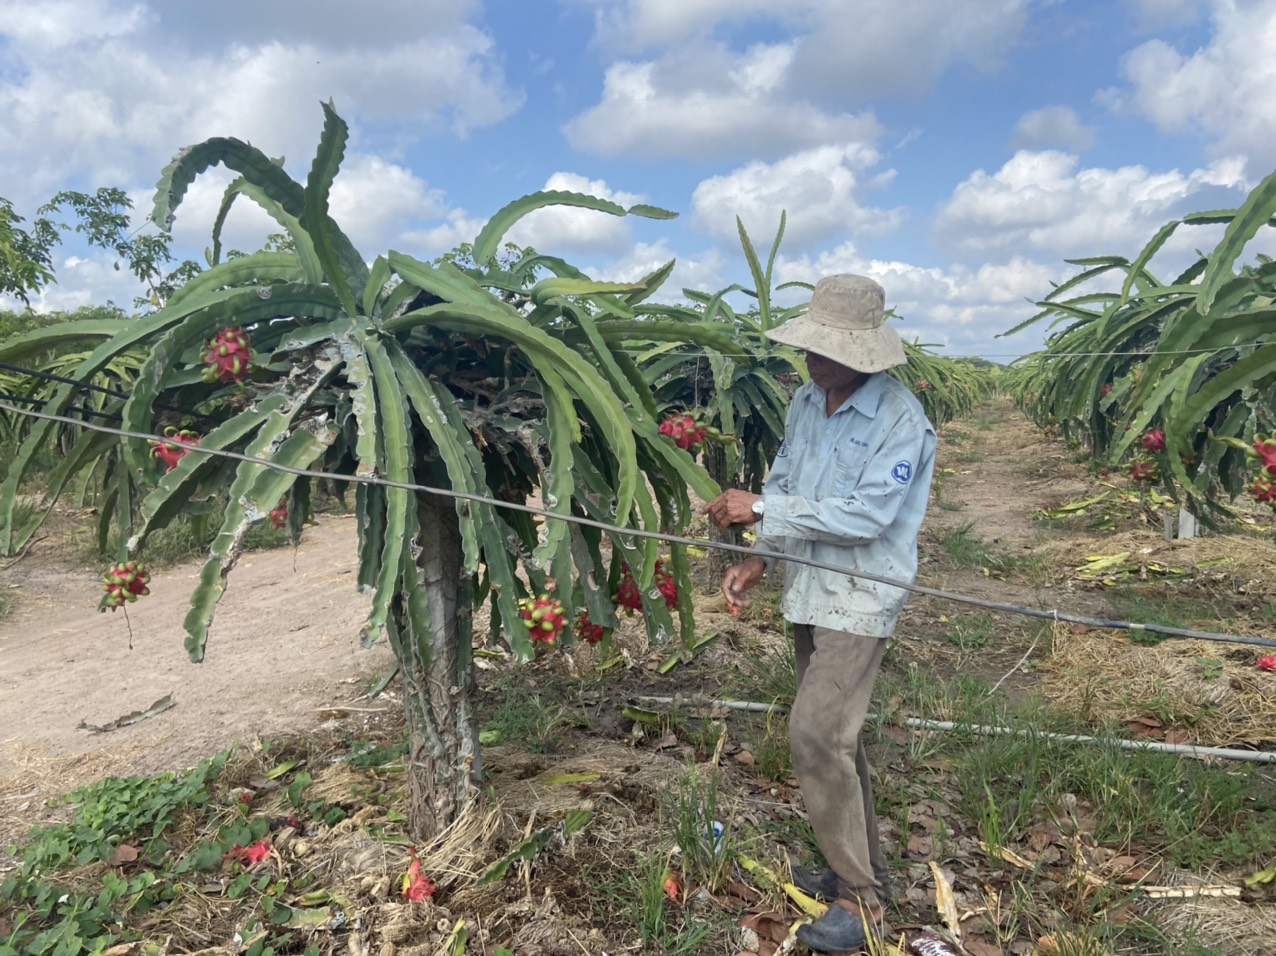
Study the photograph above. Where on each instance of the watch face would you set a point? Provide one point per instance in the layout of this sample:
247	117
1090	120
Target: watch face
758	507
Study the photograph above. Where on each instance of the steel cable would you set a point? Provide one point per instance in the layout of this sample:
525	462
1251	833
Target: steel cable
1048	615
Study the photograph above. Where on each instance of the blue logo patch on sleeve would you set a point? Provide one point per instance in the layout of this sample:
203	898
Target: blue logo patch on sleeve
784	450
902	471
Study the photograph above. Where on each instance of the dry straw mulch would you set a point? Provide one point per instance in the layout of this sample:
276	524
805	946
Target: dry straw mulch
1212	691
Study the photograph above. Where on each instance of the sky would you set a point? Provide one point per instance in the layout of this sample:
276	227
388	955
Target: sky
958	151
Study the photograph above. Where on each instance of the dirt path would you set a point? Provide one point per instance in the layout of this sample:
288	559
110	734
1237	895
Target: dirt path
283	648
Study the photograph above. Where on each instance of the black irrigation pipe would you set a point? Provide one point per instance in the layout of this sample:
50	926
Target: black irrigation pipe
89	386
1051	615
82	409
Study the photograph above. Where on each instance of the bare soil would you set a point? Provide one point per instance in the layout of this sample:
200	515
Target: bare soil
283	650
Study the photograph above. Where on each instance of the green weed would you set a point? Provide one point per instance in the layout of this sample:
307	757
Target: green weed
527	718
971	631
705	840
1157	605
769	678
185	539
967	550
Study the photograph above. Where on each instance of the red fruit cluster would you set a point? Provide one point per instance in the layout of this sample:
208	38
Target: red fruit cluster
1144	470
170	454
1263	489
922	385
125	582
544	617
279	517
1266	663
686	432
587	630
1104	391
227	357
1265	450
1154	441
630	598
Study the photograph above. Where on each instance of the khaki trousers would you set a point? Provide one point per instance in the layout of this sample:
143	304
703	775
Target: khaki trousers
835	673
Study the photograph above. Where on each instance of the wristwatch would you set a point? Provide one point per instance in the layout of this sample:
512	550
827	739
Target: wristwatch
759	507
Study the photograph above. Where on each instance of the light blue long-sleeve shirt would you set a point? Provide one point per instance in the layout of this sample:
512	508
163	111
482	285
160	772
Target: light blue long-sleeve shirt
849	489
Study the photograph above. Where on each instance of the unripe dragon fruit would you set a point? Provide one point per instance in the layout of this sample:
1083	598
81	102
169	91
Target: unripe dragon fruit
227	356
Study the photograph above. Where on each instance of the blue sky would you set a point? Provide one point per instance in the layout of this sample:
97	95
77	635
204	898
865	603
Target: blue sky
956	150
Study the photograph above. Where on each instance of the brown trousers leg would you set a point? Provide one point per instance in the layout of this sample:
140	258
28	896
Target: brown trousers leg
835	672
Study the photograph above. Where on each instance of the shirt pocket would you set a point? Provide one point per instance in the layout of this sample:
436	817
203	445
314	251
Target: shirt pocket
848	467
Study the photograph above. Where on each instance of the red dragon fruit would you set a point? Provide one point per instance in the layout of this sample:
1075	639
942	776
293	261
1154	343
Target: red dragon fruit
544	618
1154	441
227	357
124	583
170	454
1144	470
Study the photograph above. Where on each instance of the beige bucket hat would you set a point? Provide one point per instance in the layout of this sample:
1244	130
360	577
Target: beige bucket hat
845	322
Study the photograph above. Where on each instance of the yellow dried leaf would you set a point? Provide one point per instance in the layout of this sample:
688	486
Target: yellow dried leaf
945	902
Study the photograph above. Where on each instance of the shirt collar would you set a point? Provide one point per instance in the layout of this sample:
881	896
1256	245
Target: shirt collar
865	400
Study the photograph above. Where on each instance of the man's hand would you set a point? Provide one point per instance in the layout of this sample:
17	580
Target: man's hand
732	507
739	578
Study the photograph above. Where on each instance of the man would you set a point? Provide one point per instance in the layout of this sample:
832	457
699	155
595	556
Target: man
848	487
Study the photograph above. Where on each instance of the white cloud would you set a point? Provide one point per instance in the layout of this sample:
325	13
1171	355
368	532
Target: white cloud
957	307
325	22
1221	90
56	24
92	279
699	97
852	54
1160	14
555	229
1052	127
642	24
126	89
426	242
709	103
705	271
376	203
820	189
1041	202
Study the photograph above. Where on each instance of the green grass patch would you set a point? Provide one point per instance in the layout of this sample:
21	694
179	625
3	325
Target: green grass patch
1157	605
187	538
535	721
965	549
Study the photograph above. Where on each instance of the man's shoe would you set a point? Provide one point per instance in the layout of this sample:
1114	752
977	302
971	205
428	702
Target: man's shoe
823	886
837	931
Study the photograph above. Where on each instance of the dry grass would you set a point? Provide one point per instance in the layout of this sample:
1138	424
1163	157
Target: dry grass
1219	697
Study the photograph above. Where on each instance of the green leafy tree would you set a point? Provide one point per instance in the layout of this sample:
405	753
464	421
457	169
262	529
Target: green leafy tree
456	378
26	264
